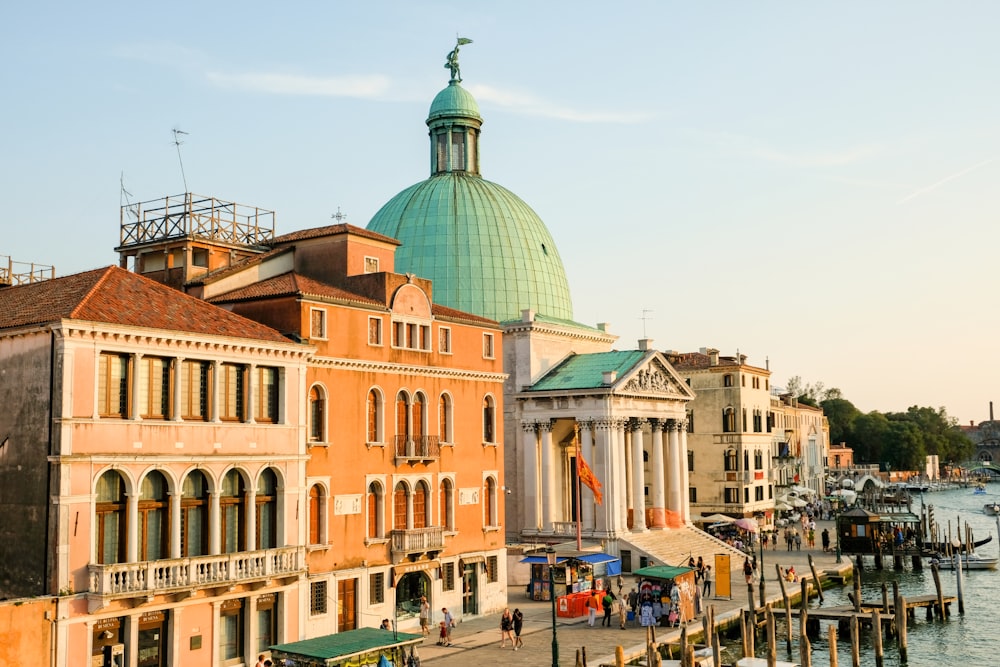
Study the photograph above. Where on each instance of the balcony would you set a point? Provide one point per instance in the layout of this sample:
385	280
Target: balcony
417	449
176	575
416	541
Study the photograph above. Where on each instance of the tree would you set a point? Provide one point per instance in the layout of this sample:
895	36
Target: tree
841	415
869	434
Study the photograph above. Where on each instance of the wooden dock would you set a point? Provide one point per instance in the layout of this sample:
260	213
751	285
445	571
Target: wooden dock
928	602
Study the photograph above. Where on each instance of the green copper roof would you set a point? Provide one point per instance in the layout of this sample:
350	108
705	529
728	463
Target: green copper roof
346	644
485	250
586	371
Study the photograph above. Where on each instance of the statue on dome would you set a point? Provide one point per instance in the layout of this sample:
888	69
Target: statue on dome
452	64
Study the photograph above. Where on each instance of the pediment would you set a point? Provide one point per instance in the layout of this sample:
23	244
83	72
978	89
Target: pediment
654	377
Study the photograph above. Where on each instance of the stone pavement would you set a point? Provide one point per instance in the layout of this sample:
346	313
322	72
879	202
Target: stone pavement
477	641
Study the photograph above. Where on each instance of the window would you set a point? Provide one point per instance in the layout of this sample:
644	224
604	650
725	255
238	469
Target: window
317	323
444	418
110	524
758	493
402	423
758	460
446	508
231	631
376	511
154	518
195	390
770	421
317	415
444	340
487	346
317	597
374	410
743	380
690	461
371	264
267	622
731	461
194	515
267	510
418	417
232	394
266	394
411	336
727	380
690	421
374	330
490	514
692	494
112	386
728	420
233	512
399	498
316	514
492	569
420	506
448	577
154	388
376	588
758	421
732	495
744	420
398	334
489	420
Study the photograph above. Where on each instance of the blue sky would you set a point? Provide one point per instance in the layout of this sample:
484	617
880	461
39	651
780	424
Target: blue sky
812	184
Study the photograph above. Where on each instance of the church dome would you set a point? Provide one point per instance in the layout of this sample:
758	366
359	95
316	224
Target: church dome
486	251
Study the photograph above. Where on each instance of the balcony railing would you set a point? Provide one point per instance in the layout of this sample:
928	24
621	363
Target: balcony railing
418	448
169	575
417	540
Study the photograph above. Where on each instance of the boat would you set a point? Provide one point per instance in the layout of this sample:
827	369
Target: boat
993	509
980	489
932	550
970	561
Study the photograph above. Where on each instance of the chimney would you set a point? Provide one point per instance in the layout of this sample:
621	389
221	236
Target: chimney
608	377
991	410
713	357
604	326
527	315
645	344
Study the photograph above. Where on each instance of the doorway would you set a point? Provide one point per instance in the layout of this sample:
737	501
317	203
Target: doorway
347	604
470	585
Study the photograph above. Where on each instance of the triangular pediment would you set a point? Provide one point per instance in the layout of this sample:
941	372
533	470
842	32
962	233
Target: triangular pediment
654	377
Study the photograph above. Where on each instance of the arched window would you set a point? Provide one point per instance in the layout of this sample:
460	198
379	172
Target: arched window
446	504
316	514
374	409
194	515
233	510
317	415
267	510
728	420
444	418
490	503
489	420
418	418
746	460
420	506
110	525
154	518
402	423
399	498
731	461
376	525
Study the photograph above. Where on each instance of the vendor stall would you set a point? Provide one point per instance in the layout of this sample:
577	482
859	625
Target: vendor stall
353	648
658	597
574	572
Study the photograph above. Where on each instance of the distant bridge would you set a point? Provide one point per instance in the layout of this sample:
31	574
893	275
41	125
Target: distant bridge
985	466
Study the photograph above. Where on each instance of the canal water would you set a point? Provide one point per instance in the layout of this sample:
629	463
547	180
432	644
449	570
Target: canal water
969	639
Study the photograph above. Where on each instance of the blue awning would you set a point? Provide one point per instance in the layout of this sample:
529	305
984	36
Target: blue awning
593	559
542	560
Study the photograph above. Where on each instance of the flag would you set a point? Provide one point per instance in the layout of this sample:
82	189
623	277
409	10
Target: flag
462	41
587	477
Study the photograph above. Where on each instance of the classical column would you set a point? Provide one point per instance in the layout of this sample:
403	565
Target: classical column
214	523
251	515
135	405
600	464
548	477
638	478
529	443
659	518
178	397
132	536
619	492
675	502
175	523
685	483
628	473
586	495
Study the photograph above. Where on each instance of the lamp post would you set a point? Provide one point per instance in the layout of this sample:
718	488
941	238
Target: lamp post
836	527
761	569
550	556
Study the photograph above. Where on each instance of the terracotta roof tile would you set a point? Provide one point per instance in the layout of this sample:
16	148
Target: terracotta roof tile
451	313
292	284
113	295
239	266
696	361
331	230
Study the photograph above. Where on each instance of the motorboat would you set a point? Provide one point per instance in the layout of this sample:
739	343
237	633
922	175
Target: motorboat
979	490
993	509
932	549
970	561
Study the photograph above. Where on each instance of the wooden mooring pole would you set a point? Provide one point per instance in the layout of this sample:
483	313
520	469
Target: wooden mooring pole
855	642
772	648
788	609
940	595
819	586
805	650
877	636
831	633
857	589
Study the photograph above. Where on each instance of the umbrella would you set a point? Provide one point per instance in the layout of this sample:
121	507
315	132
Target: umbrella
798	502
848	495
715	518
802	491
847	482
749	525
782	506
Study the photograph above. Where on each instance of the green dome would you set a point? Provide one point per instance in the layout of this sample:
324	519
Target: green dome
485	250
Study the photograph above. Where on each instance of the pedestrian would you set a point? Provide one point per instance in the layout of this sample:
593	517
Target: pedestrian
622	613
812	538
506	628
518	624
607	602
798	541
449	623
425	616
748	570
825	539
442	634
633	600
697	601
593	602
699	571
706	589
763	540
260	660
621	584
385	625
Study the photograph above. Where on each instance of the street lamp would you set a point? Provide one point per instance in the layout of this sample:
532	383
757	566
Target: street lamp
761	569
550	556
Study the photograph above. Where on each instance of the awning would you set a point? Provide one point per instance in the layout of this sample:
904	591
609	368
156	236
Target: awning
469	560
661	571
542	560
398	571
593	559
337	648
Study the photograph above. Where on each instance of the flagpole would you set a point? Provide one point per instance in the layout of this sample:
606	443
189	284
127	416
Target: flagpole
578	489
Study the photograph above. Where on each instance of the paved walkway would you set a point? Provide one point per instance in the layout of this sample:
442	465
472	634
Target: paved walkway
477	641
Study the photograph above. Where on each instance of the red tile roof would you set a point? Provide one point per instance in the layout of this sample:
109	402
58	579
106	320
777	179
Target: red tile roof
239	265
292	284
113	295
332	230
451	313
696	361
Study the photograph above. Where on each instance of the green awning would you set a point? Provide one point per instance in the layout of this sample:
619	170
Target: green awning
661	571
333	649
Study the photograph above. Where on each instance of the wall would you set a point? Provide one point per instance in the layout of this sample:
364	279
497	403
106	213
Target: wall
26	631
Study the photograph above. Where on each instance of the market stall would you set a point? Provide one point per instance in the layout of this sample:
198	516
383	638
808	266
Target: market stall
574	572
363	647
657	596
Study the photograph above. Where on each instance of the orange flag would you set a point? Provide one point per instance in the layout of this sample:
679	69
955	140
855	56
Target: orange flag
587	477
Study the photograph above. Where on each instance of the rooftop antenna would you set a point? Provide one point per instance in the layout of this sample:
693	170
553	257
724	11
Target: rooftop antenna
338	216
645	316
124	201
177	142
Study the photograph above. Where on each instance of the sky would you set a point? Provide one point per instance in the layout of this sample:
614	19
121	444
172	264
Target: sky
813	184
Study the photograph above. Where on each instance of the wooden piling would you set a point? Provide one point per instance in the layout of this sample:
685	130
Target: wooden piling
855	642
819	586
857	590
885	598
901	621
619	656
959	581
805	650
684	648
831	633
788	609
937	587
579	660
751	606
772	649
877	636
583	654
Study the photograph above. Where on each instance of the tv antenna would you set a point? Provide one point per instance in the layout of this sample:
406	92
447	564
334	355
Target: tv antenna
644	318
338	216
177	142
124	201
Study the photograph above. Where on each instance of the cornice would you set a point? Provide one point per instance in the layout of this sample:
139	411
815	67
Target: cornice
370	366
567	332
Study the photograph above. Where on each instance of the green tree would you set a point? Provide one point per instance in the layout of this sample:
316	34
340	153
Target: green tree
841	414
869	434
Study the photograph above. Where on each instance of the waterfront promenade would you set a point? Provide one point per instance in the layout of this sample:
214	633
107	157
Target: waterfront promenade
477	641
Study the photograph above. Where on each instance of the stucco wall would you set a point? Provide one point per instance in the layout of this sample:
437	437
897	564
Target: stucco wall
26	631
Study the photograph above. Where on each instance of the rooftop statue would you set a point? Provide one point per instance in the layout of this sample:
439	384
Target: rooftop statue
452	64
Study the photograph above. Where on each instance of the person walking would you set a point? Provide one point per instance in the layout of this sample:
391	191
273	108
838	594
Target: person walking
607	602
825	539
506	628
593	602
449	623
748	570
706	588
425	616
798	541
518	624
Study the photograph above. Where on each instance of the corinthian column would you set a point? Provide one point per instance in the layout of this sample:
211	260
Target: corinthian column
638	479
548	477
529	445
586	495
659	483
675	501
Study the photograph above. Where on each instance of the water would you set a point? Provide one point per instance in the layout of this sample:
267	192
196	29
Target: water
970	639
